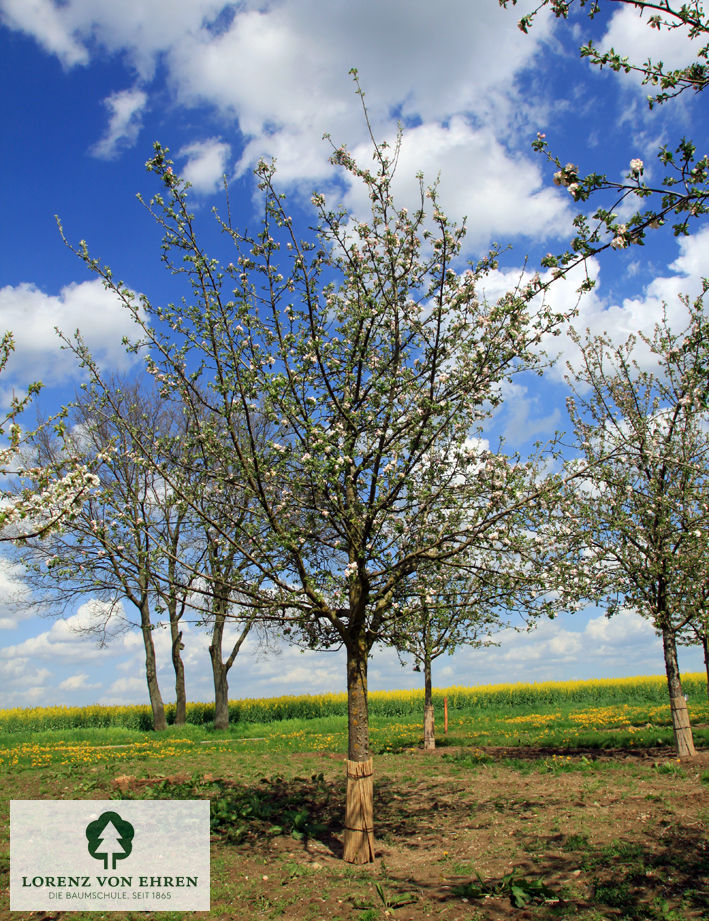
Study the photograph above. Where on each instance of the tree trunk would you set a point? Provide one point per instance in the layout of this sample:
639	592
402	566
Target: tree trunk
429	730
159	721
705	647
221	688
219	669
359	811
678	705
179	666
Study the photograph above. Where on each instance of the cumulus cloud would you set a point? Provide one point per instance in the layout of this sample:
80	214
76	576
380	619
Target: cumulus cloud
78	683
630	35
499	193
286	63
125	691
126	119
600	314
22	670
278	71
14	594
578	646
206	164
68	639
23	683
76	29
46	23
32	315
524	415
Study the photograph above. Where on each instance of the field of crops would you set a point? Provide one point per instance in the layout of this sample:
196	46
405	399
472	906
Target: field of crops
625	713
601	693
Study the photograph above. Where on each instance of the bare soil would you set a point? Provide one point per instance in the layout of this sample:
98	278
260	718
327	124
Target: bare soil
617	835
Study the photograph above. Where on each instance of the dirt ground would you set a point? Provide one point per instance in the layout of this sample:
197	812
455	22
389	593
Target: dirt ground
466	835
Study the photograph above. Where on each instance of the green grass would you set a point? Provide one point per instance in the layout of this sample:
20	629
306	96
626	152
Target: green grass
553	718
565	726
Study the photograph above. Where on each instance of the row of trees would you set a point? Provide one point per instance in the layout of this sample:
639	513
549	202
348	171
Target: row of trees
323	467
317	462
132	541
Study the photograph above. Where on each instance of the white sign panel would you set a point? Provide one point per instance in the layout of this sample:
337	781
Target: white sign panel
109	855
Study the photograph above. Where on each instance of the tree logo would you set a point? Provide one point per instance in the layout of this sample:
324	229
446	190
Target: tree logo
110	839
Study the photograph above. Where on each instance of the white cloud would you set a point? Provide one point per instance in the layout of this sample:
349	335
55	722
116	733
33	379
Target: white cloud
574	646
286	63
501	194
126	119
126	691
643	311
45	22
301	53
68	639
28	695
13	595
22	671
522	419
279	71
630	35
600	314
32	316
23	683
77	683
76	29
206	164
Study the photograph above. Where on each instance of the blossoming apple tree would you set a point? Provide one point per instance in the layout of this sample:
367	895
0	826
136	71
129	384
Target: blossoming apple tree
360	349
132	538
636	524
499	582
682	194
48	495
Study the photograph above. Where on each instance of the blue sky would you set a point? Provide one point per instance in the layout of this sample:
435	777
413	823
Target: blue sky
88	85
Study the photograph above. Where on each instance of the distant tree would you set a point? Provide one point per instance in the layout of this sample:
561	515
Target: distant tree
129	540
224	606
683	192
222	611
363	347
636	524
500	581
47	496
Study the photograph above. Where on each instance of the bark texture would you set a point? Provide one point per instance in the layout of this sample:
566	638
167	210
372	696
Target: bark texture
359	810
220	668
151	674
429	730
678	705
221	689
179	666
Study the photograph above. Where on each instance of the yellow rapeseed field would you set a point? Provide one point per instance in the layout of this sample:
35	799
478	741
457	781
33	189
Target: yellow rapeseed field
385	703
624	704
